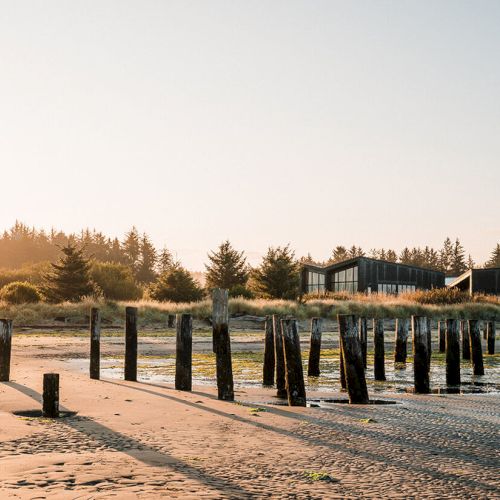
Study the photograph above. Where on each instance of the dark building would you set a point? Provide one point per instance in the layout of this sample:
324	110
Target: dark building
479	281
362	274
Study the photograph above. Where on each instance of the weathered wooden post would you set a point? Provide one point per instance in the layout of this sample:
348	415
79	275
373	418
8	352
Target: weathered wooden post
401	341
490	336
442	335
171	321
5	348
314	347
420	356
222	341
452	353
464	333
50	405
131	343
429	342
95	343
183	352
268	369
379	354
353	360
343	383
294	377
476	349
363	338
279	358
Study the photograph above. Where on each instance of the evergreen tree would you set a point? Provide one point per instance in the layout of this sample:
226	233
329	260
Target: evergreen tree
494	260
131	248
339	254
69	278
391	256
457	264
176	285
446	256
355	251
227	269
405	256
115	253
278	275
147	261
470	263
165	260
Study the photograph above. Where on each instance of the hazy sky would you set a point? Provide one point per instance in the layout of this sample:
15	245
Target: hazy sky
316	123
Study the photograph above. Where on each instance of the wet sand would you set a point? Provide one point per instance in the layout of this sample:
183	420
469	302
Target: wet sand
146	440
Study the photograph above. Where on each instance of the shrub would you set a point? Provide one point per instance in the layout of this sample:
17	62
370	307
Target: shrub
241	291
32	273
115	281
20	292
439	296
176	285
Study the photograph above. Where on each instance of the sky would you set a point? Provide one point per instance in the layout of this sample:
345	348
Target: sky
313	123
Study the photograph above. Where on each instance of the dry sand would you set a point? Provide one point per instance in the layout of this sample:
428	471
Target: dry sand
138	440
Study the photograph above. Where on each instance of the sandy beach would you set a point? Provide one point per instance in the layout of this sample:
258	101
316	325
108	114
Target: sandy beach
147	440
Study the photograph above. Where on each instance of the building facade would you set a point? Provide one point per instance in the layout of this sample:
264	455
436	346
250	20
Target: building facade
362	274
479	281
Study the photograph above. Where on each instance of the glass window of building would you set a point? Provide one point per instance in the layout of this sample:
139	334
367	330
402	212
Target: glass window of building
315	282
345	280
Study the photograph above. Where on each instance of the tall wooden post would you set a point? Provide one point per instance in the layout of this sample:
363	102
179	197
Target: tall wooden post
294	377
95	343
279	358
420	356
314	347
353	360
131	343
379	355
429	342
363	338
464	333
183	352
442	335
490	336
5	348
222	341
476	349
50	406
401	341
343	383
452	353
268	369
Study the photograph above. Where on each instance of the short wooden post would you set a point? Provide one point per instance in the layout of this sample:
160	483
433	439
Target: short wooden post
442	335
363	338
476	349
452	353
490	336
183	352
464	333
171	321
268	369
95	343
131	343
401	341
315	347
5	348
353	360
50	405
420	356
379	354
294	377
279	358
222	341
429	342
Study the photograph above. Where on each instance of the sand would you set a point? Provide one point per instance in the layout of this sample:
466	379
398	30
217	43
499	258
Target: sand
146	440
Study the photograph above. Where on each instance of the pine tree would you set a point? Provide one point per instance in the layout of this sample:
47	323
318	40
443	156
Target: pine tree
391	256
165	260
278	275
457	264
147	261
446	256
69	278
227	269
470	263
176	285
405	256
339	254
494	260
131	249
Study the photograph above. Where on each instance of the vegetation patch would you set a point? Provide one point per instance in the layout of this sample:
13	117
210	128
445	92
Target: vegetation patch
320	476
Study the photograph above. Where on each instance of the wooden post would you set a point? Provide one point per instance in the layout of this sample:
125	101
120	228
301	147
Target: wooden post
315	347
420	356
131	343
353	359
294	377
464	333
222	341
343	383
442	335
5	348
50	407
401	341
183	352
279	358
476	349
452	353
490	336
363	338
484	326
95	343
379	355
171	321
268	369
429	342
